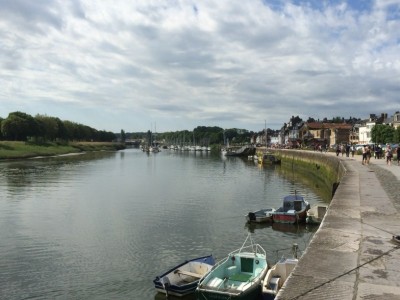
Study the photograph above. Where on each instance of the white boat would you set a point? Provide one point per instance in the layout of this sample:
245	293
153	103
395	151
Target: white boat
154	149
276	277
238	276
316	214
260	216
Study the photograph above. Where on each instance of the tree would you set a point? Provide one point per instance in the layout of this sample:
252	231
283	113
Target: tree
337	120
71	130
123	136
311	120
1	135
19	126
382	134
295	121
47	127
396	135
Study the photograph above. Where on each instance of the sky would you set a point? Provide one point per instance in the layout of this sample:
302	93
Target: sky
169	65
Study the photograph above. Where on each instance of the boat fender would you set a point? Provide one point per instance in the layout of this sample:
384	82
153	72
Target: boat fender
233	259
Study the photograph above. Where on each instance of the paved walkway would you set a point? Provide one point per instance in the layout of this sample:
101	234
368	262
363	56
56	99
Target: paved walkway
352	256
393	168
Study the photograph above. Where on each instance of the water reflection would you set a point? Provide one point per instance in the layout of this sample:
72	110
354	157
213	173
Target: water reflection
103	225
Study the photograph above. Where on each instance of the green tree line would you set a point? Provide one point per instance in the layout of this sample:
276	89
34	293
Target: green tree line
19	126
206	135
383	134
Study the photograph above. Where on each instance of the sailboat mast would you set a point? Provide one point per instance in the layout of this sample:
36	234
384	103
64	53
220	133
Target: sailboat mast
266	135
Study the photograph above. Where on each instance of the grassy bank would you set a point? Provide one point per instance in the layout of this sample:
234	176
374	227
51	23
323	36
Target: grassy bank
18	150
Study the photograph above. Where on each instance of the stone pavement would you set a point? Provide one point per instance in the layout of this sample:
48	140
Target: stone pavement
352	255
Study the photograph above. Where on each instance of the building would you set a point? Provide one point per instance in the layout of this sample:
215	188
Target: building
354	137
365	136
393	121
320	133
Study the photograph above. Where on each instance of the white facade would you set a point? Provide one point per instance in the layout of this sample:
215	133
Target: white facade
274	140
364	133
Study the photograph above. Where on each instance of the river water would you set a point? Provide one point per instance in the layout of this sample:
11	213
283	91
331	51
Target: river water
103	225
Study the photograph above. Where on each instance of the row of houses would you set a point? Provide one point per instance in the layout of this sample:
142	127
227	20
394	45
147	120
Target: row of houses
329	133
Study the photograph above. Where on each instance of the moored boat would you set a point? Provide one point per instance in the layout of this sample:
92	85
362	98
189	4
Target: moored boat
244	151
238	276
276	277
316	214
278	274
260	216
294	210
268	158
182	279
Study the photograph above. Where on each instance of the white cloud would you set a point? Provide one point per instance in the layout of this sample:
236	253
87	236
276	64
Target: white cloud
188	63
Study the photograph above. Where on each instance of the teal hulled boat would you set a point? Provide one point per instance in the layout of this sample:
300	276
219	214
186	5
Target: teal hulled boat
238	276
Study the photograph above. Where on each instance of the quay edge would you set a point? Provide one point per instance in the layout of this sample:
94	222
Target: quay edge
352	255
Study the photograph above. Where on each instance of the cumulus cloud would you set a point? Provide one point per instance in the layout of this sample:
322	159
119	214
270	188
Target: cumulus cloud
188	63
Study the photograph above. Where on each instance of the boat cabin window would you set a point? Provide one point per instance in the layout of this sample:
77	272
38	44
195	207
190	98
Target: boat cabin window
246	264
287	205
297	205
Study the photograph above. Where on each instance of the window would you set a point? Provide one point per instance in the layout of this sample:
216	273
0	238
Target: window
246	264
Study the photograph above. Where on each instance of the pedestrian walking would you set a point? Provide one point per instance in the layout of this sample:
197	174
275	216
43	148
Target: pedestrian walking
398	155
364	155
343	150
347	150
389	155
368	154
353	149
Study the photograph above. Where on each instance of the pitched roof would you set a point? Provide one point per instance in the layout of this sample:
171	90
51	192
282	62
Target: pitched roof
321	125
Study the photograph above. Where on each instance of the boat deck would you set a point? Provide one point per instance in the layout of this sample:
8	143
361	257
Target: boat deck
234	284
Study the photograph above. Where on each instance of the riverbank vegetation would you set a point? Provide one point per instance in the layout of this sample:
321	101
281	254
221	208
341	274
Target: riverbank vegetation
20	149
19	126
201	135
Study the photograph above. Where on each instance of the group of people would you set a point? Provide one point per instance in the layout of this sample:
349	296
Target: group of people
389	152
345	149
367	152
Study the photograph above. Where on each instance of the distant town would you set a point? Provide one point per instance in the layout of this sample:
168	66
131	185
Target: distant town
373	130
296	133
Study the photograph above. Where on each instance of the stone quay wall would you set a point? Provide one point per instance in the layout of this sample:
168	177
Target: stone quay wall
354	253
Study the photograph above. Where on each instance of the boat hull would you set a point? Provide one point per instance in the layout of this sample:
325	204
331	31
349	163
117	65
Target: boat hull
179	282
290	218
268	159
244	151
250	294
276	277
316	214
294	210
260	216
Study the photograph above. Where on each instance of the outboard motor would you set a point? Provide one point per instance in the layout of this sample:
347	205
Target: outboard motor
166	284
252	216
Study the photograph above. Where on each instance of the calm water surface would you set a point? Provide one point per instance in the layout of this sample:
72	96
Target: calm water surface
103	225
